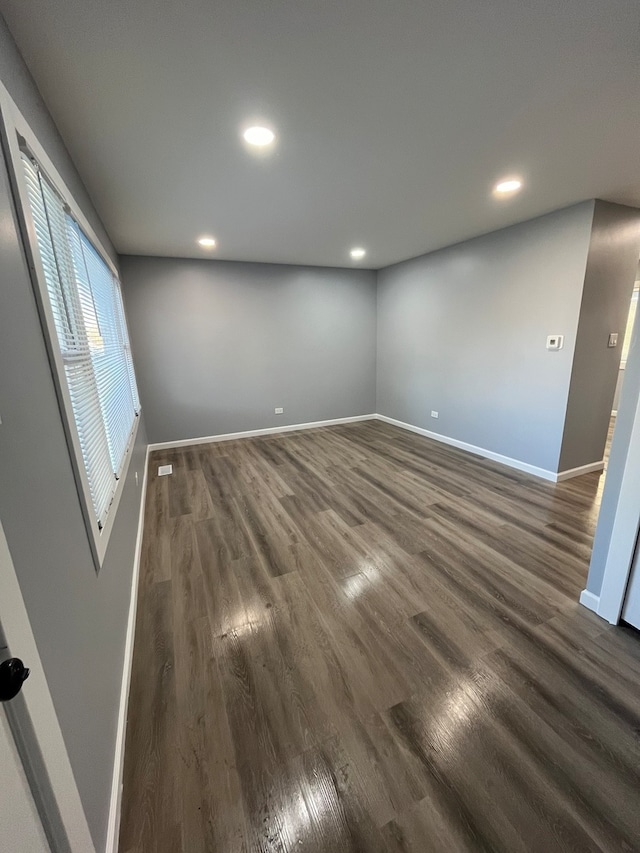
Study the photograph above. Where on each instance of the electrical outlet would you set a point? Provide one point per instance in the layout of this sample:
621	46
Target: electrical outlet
435	414
555	342
279	410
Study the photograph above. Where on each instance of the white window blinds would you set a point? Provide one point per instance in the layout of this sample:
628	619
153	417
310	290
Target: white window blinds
90	326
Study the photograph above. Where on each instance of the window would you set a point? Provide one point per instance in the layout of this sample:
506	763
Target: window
90	328
633	310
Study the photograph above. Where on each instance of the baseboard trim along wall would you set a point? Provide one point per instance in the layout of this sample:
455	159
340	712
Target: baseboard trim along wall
115	805
472	448
253	433
583	469
552	476
589	600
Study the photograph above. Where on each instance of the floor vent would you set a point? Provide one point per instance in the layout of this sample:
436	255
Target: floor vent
165	469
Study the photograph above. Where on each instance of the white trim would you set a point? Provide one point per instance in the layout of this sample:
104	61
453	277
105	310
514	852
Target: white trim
472	448
589	600
18	634
115	805
582	469
18	810
624	533
444	439
252	433
622	498
102	536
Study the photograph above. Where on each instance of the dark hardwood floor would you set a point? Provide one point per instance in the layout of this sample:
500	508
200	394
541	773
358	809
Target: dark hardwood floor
356	639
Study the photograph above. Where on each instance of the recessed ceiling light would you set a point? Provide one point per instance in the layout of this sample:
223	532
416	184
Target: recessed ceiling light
509	185
358	254
259	136
207	242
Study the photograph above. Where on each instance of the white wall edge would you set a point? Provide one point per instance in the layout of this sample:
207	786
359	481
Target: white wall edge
253	433
624	533
583	469
472	448
115	804
589	600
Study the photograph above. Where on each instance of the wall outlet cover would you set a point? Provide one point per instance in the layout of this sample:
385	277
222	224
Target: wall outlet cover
435	414
613	339
279	410
555	342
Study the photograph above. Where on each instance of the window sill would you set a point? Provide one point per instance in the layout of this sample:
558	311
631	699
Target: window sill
99	539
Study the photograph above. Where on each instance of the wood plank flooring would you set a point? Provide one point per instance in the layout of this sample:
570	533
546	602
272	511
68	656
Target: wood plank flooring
356	639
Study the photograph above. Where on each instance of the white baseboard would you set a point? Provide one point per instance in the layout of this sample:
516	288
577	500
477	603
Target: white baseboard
253	433
115	805
589	600
552	476
472	448
576	472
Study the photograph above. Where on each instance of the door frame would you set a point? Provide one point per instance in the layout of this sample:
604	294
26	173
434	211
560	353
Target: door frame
19	817
624	534
618	527
34	723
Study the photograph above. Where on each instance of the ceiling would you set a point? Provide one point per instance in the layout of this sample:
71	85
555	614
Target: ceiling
393	119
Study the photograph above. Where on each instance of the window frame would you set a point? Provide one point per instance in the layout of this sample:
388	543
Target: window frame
16	134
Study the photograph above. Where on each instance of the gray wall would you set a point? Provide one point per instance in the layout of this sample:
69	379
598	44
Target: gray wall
78	618
18	81
463	331
609	279
218	345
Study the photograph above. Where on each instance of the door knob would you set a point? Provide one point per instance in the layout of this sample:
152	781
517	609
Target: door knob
13	674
